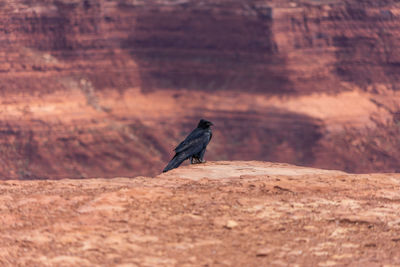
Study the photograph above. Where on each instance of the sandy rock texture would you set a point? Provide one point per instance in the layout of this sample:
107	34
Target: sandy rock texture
215	214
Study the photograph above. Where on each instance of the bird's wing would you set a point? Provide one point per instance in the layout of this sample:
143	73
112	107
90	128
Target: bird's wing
193	135
197	140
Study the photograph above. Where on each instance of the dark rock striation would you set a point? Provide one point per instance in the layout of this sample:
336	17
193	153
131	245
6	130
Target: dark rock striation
107	88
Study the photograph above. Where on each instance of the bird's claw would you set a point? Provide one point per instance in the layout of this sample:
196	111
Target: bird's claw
197	161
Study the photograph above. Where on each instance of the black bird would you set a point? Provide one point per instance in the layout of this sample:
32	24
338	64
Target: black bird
193	147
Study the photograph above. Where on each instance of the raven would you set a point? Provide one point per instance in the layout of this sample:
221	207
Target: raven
193	147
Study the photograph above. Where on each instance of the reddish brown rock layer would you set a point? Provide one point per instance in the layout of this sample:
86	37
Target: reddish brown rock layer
107	88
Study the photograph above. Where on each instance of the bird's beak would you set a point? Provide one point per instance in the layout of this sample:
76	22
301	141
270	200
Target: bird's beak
211	123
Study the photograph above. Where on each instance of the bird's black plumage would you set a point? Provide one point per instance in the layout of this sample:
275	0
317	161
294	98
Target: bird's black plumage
193	147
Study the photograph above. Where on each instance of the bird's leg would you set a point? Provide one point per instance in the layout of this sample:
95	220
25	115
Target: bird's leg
201	155
194	160
198	158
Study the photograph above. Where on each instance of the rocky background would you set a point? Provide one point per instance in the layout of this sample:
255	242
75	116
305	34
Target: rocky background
108	88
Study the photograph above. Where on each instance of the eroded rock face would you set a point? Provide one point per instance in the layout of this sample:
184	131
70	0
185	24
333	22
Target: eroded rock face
108	88
231	213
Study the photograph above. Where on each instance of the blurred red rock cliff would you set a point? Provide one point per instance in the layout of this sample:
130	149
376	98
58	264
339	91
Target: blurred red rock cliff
108	88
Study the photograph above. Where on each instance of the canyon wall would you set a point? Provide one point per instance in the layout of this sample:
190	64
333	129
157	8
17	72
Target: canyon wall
108	88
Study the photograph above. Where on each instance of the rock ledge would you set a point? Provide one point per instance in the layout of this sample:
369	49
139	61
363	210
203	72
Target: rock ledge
218	213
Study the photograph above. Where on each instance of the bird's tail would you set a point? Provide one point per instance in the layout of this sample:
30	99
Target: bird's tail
175	162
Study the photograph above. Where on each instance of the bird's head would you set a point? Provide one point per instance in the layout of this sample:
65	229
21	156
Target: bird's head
204	124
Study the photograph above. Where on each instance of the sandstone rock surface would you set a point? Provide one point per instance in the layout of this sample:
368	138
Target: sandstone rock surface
216	214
